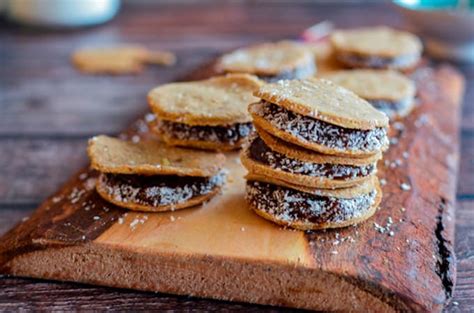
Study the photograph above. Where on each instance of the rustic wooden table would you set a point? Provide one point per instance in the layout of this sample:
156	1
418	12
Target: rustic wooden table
48	110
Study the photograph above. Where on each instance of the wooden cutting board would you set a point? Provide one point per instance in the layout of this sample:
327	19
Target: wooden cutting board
401	259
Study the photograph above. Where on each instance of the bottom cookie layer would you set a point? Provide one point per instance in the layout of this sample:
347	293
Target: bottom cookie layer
286	206
230	136
159	192
400	62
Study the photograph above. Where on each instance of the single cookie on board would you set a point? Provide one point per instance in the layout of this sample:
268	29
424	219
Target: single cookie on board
335	172
319	115
389	91
377	47
292	206
126	59
207	114
148	176
270	61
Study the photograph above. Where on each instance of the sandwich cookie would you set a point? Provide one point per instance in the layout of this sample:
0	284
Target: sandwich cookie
149	176
208	114
269	156
377	47
388	91
270	61
319	115
310	209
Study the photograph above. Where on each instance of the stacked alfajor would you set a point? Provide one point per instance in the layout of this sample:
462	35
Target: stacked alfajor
312	161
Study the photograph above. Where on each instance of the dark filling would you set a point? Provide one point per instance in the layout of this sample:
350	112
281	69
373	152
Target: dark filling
230	134
291	205
378	62
316	131
392	108
297	73
260	152
158	190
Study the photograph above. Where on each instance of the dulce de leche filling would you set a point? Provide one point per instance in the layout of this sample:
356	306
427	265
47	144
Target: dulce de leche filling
402	61
231	134
260	152
323	133
158	190
289	205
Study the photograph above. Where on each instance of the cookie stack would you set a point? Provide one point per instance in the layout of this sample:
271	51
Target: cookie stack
313	160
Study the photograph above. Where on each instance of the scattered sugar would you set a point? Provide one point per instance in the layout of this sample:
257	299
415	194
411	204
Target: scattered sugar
135	138
25	218
172	218
83	176
383	181
56	199
96	218
405	187
242	229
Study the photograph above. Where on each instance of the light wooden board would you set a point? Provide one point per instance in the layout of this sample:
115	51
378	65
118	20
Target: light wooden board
222	250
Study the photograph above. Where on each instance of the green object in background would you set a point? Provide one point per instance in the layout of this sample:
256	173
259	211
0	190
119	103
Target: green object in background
435	4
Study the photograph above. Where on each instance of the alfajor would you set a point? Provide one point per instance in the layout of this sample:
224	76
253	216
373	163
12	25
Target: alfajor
149	176
388	91
310	209
207	114
319	115
377	47
270	61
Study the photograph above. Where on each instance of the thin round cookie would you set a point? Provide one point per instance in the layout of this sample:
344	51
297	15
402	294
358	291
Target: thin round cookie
297	209
389	91
270	61
377	47
218	101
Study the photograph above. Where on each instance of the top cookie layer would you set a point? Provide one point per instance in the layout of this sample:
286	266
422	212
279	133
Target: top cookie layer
374	84
324	100
266	58
111	155
221	100
376	41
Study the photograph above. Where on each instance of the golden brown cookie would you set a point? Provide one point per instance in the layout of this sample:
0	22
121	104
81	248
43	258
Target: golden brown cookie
377	47
259	159
148	176
270	61
217	101
321	116
111	155
295	208
389	91
126	59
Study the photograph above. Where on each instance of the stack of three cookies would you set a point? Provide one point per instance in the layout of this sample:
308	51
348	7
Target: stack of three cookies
313	160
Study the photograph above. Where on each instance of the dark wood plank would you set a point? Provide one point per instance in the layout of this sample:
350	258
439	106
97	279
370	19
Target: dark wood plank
34	168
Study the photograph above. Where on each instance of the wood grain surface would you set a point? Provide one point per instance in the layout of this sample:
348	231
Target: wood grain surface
34	121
